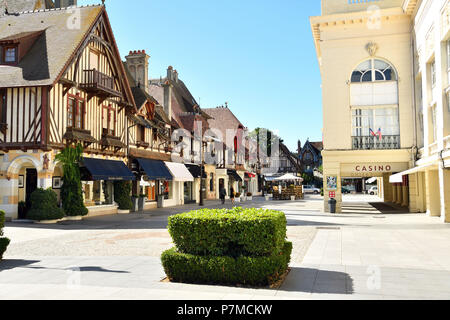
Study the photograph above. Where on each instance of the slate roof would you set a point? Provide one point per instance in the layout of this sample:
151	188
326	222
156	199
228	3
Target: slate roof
15	6
48	56
223	119
317	145
183	104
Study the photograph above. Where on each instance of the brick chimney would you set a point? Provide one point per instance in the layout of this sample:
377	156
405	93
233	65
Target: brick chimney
168	92
137	63
65	3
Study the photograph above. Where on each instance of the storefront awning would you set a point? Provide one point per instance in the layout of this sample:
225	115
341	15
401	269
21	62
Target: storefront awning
269	179
179	172
234	175
398	178
195	171
107	170
155	169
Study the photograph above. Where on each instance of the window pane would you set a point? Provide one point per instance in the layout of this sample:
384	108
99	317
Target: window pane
366	65
70	112
367	77
381	65
10	55
379	76
356	76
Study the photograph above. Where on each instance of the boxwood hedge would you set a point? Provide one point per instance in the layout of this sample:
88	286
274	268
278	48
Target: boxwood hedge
254	271
44	206
224	232
4	242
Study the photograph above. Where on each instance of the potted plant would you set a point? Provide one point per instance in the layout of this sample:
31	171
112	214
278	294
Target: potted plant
134	203
141	202
122	191
249	196
238	197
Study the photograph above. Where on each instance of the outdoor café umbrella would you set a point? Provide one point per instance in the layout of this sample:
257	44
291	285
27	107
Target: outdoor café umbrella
289	177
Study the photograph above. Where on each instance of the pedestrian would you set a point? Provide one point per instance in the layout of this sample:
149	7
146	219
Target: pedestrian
232	195
223	194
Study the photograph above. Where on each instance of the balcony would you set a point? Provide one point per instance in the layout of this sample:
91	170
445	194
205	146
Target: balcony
374	143
99	83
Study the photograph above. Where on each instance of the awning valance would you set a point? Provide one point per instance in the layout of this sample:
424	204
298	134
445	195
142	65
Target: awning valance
196	171
107	170
233	174
179	172
155	169
398	178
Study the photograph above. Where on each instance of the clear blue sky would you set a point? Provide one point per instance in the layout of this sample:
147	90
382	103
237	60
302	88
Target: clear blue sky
258	55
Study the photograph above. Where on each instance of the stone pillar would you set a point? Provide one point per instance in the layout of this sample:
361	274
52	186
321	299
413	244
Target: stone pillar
387	188
405	192
433	194
394	193
444	183
332	170
399	194
9	197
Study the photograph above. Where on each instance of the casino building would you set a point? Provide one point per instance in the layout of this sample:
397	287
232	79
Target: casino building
385	78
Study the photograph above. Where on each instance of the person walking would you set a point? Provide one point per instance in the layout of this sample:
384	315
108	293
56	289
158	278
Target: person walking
223	194
232	195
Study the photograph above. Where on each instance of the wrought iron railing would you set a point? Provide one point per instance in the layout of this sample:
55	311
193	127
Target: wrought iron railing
375	143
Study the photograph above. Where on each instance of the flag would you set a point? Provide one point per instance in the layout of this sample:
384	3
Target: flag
379	135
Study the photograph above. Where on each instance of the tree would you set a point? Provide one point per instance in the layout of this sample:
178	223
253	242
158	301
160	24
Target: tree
71	191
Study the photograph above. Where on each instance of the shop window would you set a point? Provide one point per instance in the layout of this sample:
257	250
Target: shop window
109	120
166	189
150	191
75	112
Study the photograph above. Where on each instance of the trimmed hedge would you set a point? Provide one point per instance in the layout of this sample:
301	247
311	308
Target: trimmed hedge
4	242
222	232
44	206
254	271
122	191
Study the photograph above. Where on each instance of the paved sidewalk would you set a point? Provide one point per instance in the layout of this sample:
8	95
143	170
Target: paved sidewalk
362	254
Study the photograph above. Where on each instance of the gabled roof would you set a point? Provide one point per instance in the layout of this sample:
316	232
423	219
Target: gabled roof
317	145
223	119
52	50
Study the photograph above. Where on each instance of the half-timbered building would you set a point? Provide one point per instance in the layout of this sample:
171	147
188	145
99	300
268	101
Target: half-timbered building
61	82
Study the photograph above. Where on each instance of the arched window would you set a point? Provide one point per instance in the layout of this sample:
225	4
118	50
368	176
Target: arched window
374	70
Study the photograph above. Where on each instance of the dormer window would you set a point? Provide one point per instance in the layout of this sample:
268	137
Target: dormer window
10	54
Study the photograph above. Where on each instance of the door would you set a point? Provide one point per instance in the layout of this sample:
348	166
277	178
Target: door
30	187
188	188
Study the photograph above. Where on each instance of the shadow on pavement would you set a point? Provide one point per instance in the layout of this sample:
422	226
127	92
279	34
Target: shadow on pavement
309	280
8	264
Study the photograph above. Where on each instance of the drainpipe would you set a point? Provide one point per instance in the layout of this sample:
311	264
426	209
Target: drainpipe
415	149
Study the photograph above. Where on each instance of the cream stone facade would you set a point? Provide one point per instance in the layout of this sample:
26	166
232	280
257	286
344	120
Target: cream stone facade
385	80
